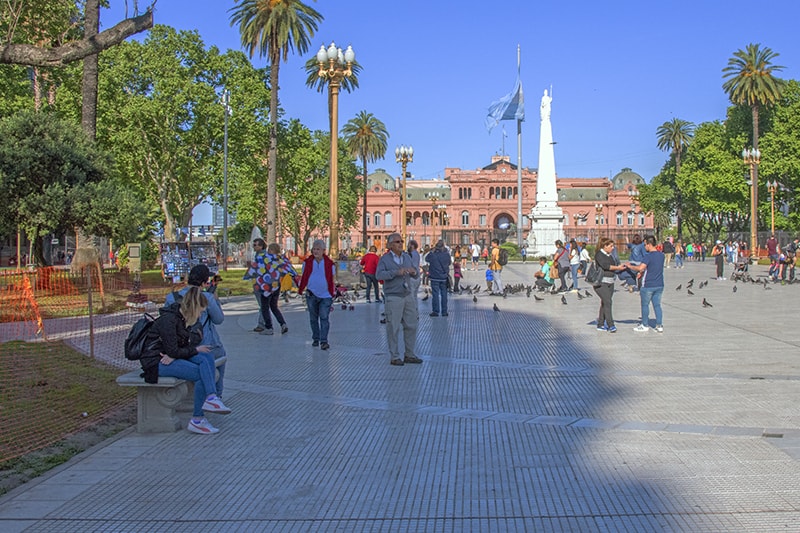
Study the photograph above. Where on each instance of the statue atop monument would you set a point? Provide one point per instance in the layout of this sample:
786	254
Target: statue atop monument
544	111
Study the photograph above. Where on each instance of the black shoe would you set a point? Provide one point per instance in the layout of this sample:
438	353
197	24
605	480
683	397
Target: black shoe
284	328
324	346
396	362
445	314
434	314
412	359
315	343
383	321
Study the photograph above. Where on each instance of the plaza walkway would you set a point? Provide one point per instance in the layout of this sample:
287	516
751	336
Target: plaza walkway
522	419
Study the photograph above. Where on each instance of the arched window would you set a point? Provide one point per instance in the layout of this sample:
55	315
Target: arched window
469	193
465	218
510	193
641	219
426	219
503	193
377	220
619	218
630	218
387	219
369	220
516	192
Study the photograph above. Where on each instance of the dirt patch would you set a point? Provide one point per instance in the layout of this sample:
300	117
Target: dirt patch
18	471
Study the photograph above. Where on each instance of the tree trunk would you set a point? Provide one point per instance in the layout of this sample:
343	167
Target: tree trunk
678	196
90	76
364	207
272	171
755	167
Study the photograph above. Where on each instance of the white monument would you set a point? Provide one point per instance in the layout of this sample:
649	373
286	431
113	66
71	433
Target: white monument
547	219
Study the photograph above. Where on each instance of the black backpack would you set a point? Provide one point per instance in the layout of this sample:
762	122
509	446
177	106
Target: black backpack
136	343
502	257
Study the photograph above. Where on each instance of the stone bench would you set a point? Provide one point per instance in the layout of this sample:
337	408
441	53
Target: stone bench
159	402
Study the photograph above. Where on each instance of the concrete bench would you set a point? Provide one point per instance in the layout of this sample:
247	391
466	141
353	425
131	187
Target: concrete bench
159	402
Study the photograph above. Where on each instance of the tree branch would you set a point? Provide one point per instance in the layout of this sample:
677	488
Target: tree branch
37	56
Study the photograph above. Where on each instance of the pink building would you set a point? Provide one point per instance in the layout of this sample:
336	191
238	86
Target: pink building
479	205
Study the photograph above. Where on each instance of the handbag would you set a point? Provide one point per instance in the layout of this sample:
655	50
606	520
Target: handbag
594	275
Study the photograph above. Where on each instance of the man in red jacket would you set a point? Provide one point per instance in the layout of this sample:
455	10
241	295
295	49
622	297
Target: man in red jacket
370	264
317	279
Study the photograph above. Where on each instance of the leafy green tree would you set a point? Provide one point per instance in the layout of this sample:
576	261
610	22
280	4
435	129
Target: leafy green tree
366	139
712	179
675	135
160	114
304	185
45	163
274	28
751	82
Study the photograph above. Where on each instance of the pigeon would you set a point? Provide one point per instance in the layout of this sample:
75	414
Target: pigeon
734	288
689	292
474	299
563	299
537	298
580	296
588	294
495	308
690	282
706	304
679	287
528	291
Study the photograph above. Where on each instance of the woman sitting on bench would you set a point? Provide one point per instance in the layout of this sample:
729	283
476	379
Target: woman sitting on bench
179	354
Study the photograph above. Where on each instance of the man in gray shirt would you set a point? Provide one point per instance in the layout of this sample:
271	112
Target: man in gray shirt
397	272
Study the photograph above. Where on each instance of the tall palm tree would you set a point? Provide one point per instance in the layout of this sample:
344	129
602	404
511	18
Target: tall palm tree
274	28
366	138
751	82
675	135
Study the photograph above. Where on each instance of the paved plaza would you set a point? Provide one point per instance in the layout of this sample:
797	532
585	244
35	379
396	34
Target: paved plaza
522	419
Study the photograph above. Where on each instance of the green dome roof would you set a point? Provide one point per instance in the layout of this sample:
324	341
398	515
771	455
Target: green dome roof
625	179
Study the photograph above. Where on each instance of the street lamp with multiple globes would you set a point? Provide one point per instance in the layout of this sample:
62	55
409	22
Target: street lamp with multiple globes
752	158
403	155
598	209
772	186
335	66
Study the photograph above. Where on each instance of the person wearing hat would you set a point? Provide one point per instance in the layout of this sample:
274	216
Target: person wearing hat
438	272
718	253
212	315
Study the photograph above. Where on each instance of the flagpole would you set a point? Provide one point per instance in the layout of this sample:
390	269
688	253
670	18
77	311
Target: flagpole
519	167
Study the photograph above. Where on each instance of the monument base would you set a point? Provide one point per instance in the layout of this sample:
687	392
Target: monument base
546	228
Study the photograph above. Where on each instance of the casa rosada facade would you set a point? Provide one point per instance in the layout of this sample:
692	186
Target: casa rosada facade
478	205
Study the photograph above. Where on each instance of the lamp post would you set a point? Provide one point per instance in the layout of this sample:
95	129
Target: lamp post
752	158
335	66
772	186
433	197
226	104
403	155
598	208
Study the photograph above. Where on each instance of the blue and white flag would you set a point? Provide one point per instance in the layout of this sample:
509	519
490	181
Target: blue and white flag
509	107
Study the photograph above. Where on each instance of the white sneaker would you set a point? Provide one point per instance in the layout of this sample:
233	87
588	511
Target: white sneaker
641	328
214	405
202	427
660	328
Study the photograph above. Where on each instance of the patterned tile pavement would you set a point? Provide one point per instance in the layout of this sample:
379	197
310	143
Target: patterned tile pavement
525	419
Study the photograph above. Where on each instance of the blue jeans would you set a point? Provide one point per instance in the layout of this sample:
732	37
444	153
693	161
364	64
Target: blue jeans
439	290
200	369
678	261
372	281
647	295
574	269
318	311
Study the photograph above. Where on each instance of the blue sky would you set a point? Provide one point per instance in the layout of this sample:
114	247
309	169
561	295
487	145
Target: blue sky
618	70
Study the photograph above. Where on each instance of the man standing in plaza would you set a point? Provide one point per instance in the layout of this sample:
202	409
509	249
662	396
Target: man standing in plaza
476	255
397	272
496	268
652	264
438	272
318	276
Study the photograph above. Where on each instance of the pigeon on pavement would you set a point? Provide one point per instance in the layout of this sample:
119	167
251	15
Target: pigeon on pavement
495	308
706	304
563	299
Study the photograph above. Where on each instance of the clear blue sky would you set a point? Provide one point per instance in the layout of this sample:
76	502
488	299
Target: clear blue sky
618	70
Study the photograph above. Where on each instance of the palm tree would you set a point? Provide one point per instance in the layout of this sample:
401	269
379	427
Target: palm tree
366	138
751	82
675	135
274	28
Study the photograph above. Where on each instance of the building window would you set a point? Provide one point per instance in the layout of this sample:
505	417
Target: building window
641	219
469	193
465	218
482	219
369	220
619	218
630	218
426	221
377	220
387	219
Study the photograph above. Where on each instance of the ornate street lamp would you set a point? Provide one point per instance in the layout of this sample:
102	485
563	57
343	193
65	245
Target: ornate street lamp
403	155
752	158
335	66
598	209
772	186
